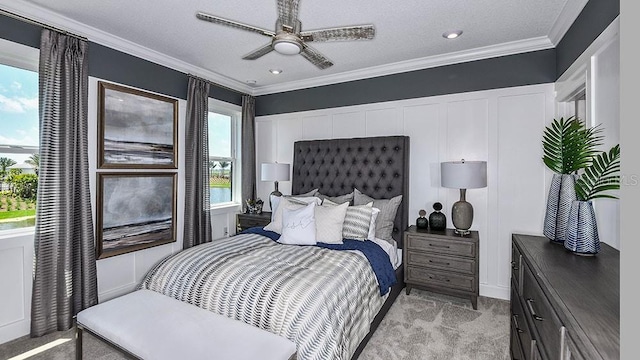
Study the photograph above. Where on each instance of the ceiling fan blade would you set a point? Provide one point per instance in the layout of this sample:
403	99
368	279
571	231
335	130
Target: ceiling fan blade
259	52
288	11
315	57
233	24
359	32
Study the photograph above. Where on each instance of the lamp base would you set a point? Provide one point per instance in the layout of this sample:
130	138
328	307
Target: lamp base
275	192
462	215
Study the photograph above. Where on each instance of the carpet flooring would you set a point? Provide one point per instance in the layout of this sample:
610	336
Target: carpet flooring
419	326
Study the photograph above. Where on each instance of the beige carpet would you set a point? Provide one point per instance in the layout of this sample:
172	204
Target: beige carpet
426	325
420	326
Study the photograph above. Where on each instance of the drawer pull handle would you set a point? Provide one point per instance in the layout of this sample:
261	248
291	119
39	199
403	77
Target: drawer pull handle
439	278
439	263
533	312
515	323
440	246
513	265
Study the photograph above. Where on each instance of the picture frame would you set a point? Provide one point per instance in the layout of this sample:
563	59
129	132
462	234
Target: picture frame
136	129
134	211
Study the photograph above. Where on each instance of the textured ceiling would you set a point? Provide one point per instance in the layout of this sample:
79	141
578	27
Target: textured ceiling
405	30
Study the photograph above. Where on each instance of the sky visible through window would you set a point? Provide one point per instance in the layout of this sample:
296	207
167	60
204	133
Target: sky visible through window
18	109
219	135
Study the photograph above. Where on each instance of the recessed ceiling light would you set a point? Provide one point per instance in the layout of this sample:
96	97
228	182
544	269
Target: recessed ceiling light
275	71
452	34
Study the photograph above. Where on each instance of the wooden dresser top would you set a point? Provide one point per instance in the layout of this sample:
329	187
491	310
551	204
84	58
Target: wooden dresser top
584	290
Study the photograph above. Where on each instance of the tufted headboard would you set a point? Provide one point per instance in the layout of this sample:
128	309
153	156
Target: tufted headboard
377	166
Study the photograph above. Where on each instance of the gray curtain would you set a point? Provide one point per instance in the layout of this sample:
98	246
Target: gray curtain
64	263
197	217
248	152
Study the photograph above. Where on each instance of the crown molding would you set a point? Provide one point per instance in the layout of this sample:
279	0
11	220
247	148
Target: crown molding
504	49
565	19
53	19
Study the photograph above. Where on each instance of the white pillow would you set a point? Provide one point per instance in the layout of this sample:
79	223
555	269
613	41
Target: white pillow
276	222
299	226
329	221
275	202
372	224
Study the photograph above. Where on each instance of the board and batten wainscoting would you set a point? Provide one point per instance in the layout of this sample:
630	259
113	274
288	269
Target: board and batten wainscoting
502	126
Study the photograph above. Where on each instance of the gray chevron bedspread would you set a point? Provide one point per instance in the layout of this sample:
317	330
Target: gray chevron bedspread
323	300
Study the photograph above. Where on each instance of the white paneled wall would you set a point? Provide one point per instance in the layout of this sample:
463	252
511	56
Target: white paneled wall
597	72
503	127
16	262
120	274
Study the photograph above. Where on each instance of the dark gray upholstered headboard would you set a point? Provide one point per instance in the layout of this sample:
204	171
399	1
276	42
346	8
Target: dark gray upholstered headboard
377	166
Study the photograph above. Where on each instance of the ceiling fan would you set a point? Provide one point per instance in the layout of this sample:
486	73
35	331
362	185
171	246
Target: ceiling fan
289	39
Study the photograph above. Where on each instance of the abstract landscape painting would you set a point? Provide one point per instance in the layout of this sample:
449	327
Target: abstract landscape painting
135	211
136	129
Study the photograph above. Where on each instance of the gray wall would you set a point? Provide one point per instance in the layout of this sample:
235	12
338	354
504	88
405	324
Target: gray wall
514	70
594	18
113	65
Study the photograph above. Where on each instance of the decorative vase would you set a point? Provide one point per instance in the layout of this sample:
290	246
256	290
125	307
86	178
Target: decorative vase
582	229
422	222
437	219
562	193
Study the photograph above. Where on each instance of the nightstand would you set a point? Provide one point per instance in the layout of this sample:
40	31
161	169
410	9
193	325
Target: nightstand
442	261
245	221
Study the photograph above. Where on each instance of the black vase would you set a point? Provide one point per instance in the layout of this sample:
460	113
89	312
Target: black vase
422	223
437	220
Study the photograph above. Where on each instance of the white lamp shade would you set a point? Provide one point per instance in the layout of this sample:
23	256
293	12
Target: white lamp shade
463	174
275	172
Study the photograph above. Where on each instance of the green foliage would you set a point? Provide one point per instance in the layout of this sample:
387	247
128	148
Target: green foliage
25	186
600	177
569	146
5	162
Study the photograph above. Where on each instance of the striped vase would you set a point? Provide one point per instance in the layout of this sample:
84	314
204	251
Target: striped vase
582	230
561	194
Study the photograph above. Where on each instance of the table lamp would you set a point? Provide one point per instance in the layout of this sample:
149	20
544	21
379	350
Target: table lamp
275	172
463	175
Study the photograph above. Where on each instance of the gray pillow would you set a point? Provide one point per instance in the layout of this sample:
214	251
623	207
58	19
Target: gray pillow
341	199
309	193
388	209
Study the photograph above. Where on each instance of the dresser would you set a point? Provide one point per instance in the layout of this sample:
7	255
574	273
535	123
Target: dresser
245	221
442	261
563	306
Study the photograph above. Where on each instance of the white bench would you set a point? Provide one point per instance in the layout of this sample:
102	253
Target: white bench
148	325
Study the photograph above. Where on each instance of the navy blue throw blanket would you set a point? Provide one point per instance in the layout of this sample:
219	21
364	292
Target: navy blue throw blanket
377	257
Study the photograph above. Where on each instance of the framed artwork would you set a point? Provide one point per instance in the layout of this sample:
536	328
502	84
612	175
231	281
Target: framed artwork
136	129
135	211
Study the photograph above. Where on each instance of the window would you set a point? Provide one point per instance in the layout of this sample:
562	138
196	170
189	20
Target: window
19	159
223	127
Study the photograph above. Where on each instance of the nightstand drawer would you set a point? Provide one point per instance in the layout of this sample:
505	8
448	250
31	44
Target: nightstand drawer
247	223
440	278
442	246
441	262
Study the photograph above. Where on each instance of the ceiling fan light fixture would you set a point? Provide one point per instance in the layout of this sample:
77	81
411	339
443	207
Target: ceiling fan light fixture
452	34
287	47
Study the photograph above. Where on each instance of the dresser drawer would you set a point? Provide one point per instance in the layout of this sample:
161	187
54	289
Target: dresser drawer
440	278
520	323
516	349
441	246
441	262
544	318
516	267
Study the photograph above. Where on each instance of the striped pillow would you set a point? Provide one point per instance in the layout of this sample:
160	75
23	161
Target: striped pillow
357	221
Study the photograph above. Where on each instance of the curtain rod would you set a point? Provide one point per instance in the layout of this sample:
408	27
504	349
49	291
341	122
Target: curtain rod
215	84
38	23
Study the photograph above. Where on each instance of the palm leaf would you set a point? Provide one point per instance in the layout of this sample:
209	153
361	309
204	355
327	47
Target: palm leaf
600	176
568	146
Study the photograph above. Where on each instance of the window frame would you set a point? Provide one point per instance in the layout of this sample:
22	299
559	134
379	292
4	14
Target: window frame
235	113
26	58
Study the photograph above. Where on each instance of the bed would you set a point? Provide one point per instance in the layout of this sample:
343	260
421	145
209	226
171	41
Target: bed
302	292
